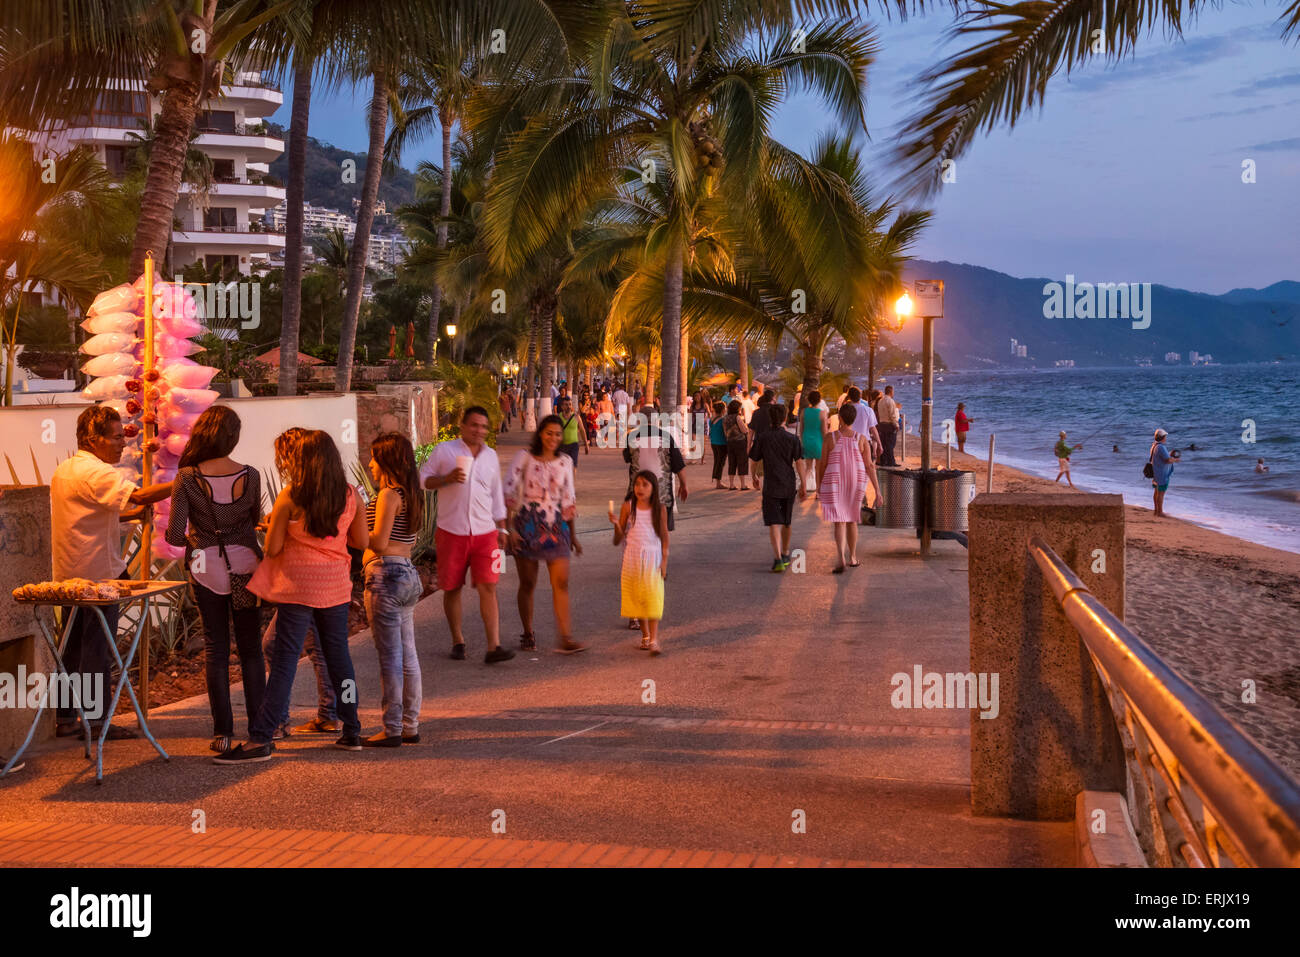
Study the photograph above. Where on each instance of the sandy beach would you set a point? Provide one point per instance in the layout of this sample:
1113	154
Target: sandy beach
1219	609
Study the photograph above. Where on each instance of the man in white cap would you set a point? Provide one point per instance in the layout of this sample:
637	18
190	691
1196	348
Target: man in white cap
1063	450
1162	469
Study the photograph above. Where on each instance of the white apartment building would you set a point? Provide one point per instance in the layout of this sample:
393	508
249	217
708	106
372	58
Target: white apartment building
1173	357
316	220
229	231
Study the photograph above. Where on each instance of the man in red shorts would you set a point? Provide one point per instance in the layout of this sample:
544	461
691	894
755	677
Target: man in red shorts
471	534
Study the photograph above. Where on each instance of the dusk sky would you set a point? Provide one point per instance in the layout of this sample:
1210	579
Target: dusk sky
1130	173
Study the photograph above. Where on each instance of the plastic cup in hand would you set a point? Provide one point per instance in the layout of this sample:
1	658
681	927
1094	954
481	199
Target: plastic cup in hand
464	462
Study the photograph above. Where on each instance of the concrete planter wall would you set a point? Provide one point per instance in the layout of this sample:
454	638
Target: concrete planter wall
24	557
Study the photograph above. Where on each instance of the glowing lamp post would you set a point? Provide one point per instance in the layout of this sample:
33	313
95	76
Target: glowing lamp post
929	294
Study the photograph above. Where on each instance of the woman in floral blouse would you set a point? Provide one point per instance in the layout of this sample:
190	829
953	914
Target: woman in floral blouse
541	506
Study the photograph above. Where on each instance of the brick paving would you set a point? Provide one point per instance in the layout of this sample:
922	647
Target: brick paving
33	844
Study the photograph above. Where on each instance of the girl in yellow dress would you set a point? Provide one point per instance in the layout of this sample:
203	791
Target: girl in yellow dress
643	525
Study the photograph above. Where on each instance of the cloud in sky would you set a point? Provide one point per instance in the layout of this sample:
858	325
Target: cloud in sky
1178	57
1268	83
1274	146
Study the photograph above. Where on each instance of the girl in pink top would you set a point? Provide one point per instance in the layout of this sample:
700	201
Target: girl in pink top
307	573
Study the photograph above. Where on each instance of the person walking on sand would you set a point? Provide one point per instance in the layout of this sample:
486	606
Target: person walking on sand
392	586
963	426
1063	450
842	475
471	533
540	507
642	524
779	451
812	430
1162	467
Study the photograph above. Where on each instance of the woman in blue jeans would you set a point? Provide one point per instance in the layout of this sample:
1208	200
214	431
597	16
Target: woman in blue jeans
307	573
393	515
216	505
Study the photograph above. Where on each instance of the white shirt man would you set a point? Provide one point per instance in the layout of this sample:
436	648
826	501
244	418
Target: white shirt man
622	402
87	499
748	403
471	526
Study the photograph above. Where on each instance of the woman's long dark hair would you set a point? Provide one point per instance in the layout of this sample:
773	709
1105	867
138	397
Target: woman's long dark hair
318	485
214	436
536	446
656	510
395	457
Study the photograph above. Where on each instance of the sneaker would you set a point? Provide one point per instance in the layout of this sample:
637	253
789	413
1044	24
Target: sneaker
411	738
498	654
778	565
383	740
458	651
349	742
527	642
240	754
315	726
785	560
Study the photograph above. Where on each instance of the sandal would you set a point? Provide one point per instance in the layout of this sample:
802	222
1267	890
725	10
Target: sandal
528	641
568	646
645	643
655	649
854	564
634	624
220	744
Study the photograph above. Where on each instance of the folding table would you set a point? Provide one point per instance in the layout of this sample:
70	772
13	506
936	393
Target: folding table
141	592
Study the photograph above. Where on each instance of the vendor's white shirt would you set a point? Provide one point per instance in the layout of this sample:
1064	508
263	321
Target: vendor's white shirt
87	496
475	506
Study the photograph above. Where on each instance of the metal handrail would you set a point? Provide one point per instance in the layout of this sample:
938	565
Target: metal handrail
1245	804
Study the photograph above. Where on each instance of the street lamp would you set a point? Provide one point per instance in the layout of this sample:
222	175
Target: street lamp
451	329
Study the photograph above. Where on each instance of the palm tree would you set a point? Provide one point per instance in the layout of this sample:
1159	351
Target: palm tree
294	194
1020	47
37	245
664	79
59	61
433	90
383	44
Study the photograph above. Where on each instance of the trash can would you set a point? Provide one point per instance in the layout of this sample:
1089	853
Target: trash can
900	491
950	495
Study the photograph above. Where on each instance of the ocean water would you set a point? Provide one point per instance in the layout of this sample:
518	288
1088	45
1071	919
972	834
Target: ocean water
1212	407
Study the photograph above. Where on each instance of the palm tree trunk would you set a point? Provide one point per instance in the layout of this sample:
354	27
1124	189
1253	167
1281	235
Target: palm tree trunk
547	316
686	368
671	334
744	365
295	188
361	241
649	377
163	181
461	335
444	210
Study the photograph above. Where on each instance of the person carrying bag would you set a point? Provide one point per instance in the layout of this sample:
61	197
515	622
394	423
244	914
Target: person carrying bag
215	507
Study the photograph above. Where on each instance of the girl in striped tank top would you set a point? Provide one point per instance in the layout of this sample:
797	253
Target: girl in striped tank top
393	585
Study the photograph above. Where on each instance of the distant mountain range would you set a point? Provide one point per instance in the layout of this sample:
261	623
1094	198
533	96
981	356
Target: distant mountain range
325	186
985	310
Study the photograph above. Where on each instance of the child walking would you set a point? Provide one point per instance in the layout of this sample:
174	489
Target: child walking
643	525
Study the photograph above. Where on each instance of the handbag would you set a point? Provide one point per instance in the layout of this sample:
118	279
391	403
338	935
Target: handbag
1148	470
241	599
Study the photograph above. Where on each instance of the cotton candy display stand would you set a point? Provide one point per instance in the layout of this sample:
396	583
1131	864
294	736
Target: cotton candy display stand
139	348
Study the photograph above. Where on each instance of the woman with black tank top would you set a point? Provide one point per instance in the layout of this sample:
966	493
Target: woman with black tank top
393	515
216	505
